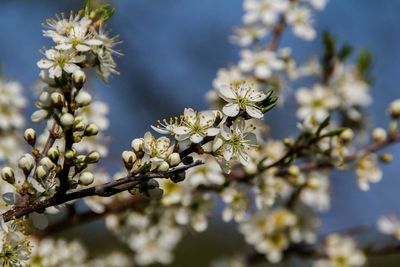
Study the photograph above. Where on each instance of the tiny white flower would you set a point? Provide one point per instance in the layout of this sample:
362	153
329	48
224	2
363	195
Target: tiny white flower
236	141
58	61
300	19
390	225
241	97
263	63
266	11
316	102
196	126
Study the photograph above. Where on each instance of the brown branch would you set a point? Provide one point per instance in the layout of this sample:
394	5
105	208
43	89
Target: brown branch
104	190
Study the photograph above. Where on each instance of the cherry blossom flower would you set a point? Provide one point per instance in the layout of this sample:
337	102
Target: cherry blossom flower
58	61
241	97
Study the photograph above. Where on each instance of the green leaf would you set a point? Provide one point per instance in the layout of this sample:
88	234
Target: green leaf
87	8
334	132
345	52
364	63
323	125
105	11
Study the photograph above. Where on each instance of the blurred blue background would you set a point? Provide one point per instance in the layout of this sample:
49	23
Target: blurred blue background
172	50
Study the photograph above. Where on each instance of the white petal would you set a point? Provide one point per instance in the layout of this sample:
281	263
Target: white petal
196	138
231	109
254	112
226	92
44	64
181	130
212	131
70	68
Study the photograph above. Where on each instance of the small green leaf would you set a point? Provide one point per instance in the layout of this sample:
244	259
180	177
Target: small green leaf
334	132
364	63
323	125
345	52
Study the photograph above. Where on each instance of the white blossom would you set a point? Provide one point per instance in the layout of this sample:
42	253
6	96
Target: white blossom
318	102
242	97
196	126
236	142
300	19
263	63
341	251
266	11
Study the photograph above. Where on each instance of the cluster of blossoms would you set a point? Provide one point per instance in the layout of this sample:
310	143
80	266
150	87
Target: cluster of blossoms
273	189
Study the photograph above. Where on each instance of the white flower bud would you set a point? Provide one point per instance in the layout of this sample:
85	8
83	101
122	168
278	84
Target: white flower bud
294	170
83	99
378	135
156	193
45	161
91	130
44	99
79	77
30	136
250	168
86	178
53	154
67	120
26	163
39	115
347	135
174	159
79	126
93	157
394	108
70	154
137	144
129	158
7	174
57	99
42	172
164	167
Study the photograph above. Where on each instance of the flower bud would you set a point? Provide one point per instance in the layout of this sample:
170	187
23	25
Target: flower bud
129	158
386	157
174	159
41	172
86	178
93	157
26	163
45	99
79	78
347	135
394	109
30	136
250	168
46	162
79	126
57	99
164	167
152	183
378	135
91	130
83	99
156	193
294	170
53	154
137	144
70	154
7	174
39	115
67	120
